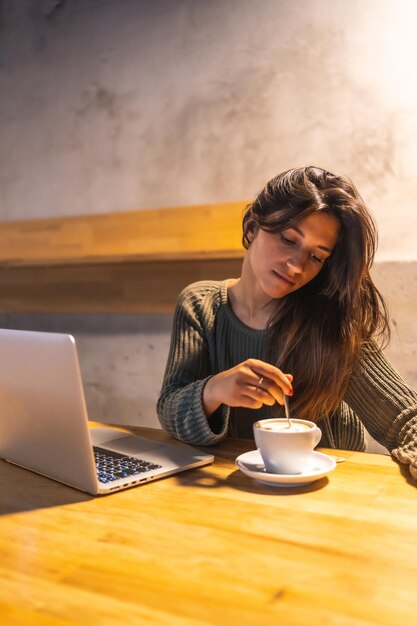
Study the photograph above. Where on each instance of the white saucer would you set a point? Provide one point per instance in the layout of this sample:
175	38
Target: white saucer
251	464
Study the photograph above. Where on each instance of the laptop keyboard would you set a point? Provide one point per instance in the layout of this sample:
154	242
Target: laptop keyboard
112	465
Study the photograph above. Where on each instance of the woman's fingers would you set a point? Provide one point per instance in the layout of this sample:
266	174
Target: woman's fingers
268	387
265	392
270	378
250	384
248	402
273	373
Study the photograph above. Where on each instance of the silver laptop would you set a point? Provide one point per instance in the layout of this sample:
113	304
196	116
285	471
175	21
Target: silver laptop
44	423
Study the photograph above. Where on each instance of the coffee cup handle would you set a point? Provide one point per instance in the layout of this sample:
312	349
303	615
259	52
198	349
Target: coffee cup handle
317	436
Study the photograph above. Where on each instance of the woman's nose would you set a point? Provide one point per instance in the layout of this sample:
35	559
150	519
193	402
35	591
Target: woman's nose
297	262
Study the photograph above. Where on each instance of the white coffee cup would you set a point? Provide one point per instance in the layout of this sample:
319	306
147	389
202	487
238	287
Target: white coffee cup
286	450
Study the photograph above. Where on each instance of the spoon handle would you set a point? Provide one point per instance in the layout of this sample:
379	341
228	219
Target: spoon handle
287	409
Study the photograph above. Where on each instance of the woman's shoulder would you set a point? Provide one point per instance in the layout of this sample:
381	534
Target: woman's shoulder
203	299
201	291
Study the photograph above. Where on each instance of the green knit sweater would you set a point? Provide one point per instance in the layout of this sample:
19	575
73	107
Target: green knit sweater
208	338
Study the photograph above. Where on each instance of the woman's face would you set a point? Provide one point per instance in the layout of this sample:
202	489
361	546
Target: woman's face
284	262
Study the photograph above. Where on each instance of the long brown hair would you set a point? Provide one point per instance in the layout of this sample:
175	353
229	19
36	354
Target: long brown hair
318	332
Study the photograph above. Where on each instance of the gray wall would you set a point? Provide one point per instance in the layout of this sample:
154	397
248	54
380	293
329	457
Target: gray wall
123	104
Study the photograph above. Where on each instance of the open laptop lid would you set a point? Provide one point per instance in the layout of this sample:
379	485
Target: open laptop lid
43	417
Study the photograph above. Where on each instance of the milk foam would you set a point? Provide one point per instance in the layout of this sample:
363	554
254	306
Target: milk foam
296	427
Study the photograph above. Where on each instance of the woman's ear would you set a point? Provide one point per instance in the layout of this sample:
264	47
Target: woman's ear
251	231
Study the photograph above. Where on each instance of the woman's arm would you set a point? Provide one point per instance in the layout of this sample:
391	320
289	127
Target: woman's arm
195	403
180	405
386	405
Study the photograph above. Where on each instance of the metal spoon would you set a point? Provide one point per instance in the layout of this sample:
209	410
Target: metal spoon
287	410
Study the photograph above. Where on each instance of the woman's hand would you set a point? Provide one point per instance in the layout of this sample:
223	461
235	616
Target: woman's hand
250	384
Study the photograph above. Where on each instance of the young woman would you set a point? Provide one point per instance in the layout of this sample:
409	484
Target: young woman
304	319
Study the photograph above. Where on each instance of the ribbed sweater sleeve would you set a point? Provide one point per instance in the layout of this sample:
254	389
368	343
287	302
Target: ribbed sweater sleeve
180	406
386	405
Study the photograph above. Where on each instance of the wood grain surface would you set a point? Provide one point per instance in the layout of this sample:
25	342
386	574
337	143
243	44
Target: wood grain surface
135	261
192	232
151	287
211	546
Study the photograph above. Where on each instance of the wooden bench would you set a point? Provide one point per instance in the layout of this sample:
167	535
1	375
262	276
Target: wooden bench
121	262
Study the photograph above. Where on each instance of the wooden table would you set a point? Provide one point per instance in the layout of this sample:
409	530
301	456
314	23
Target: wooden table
211	546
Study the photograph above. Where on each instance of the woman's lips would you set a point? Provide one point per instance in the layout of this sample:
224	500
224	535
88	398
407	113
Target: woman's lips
284	278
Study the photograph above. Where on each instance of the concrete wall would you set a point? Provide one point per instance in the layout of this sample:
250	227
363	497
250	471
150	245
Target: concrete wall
129	104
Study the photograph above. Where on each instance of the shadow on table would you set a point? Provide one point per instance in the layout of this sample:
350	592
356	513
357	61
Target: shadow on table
22	490
245	483
236	480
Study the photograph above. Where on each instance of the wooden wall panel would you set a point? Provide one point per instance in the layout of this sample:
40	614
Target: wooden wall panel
206	231
119	262
106	288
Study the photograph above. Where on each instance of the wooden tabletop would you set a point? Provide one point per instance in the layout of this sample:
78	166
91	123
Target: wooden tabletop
211	546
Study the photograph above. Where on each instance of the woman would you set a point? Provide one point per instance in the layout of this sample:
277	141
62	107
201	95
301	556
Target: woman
303	319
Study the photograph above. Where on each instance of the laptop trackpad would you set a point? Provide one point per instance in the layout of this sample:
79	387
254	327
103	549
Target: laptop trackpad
131	445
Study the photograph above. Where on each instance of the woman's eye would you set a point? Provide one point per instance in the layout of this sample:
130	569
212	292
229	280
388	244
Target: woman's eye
284	238
317	260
